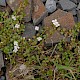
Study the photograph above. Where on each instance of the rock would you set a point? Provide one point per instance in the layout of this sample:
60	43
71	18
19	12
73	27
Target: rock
15	4
1	60
50	6
66	21
57	14
73	11
78	15
75	19
2	78
29	31
39	12
7	8
56	1
28	11
55	38
2	2
78	1
75	1
69	4
78	6
43	0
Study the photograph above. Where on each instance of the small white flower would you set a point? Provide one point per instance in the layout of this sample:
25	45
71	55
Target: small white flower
16	47
17	26
54	20
29	39
39	38
56	23
13	17
36	28
24	38
15	43
6	58
1	42
15	50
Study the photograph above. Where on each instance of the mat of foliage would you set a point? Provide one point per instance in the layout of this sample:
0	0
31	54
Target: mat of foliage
59	62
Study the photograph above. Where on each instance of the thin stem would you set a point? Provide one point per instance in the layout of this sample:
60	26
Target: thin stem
53	50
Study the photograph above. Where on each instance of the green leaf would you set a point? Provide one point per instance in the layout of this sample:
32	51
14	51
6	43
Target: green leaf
59	67
6	50
50	72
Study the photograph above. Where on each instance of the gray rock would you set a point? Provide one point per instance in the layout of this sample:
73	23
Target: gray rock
75	1
29	31
56	1
78	6
1	60
2	2
67	4
73	11
55	38
43	0
75	19
78	15
14	4
78	1
50	5
2	78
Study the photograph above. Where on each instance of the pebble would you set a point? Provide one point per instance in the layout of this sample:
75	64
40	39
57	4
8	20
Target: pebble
29	31
39	12
1	60
43	0
67	5
2	78
78	6
78	15
50	6
73	11
75	1
2	2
